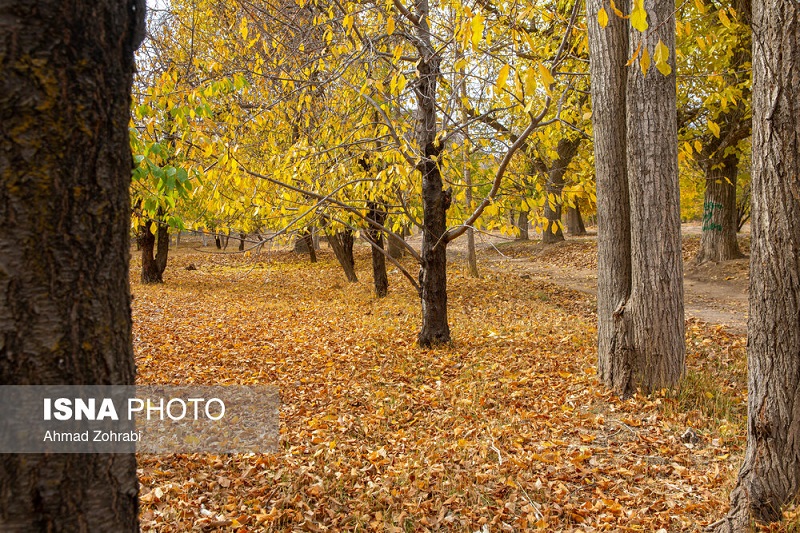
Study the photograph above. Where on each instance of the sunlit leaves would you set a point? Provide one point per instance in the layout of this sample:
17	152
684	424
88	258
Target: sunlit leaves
661	58
602	17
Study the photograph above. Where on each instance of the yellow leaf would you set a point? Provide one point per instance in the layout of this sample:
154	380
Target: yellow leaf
639	16
547	78
602	17
714	127
723	17
645	61
661	58
390	26
698	146
477	26
502	77
635	55
616	10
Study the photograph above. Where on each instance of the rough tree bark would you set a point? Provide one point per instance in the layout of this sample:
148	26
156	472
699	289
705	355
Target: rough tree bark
377	213
608	54
651	326
718	241
341	243
65	169
770	474
575	224
640	270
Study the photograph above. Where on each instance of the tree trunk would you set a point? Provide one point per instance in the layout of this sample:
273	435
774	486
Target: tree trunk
155	249
522	225
218	240
65	162
651	324
566	150
472	257
770	475
575	224
718	241
381	280
242	237
308	238
639	285
395	248
341	243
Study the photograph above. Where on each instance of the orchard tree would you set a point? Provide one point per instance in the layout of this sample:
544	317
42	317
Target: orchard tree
770	475
640	269
65	162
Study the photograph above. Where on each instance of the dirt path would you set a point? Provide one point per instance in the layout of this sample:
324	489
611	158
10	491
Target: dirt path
713	293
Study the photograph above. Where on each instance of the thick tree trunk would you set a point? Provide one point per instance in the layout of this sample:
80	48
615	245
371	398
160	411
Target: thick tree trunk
575	224
155	249
770	475
65	169
341	243
381	280
718	241
651	325
522	225
640	271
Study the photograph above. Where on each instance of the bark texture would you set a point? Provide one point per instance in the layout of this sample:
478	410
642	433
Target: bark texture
65	169
522	225
608	55
770	475
640	269
720	216
654	321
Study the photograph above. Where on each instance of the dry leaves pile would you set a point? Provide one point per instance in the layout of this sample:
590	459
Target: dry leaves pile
506	430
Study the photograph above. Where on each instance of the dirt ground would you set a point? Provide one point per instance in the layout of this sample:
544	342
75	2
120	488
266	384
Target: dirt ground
713	292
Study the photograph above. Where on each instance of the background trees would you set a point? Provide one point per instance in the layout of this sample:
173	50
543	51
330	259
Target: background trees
65	162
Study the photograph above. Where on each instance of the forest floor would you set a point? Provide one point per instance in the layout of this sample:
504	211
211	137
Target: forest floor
507	429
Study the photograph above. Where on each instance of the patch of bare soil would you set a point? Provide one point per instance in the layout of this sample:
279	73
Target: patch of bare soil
713	292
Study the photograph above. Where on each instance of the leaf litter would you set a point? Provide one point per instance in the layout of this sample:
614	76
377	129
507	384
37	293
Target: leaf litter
508	429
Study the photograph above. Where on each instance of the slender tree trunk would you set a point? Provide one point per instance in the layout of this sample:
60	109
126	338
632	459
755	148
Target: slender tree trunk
381	280
435	201
770	475
308	238
575	224
718	241
341	243
65	170
608	54
522	225
472	258
218	240
651	324
242	237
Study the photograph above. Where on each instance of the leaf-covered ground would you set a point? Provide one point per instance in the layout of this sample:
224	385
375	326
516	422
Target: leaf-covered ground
506	430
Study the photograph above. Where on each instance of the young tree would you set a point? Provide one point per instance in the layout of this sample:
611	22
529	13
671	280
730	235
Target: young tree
770	475
65	162
640	269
